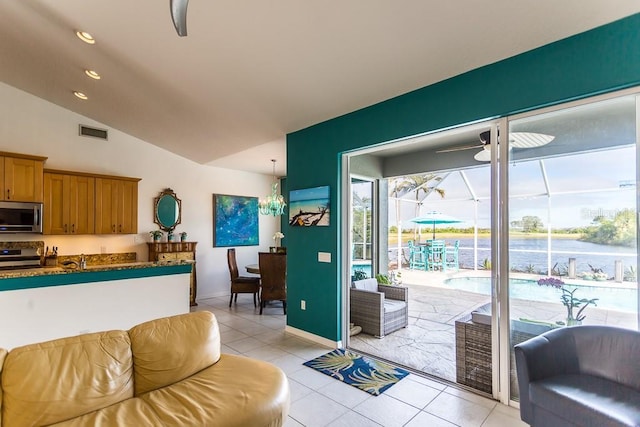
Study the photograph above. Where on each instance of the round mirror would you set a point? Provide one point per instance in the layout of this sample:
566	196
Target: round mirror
168	210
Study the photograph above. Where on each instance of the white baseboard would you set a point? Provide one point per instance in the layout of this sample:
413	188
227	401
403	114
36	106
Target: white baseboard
312	337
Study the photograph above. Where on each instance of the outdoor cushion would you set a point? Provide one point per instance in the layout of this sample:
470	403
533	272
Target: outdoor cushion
391	305
366	285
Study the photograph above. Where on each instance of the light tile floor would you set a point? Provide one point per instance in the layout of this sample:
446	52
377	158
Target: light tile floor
319	400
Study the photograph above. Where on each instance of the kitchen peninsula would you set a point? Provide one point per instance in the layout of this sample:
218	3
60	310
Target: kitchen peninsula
39	304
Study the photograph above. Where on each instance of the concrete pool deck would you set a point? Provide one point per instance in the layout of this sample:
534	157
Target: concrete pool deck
428	343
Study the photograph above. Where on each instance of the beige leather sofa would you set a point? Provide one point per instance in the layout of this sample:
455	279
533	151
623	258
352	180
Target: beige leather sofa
166	372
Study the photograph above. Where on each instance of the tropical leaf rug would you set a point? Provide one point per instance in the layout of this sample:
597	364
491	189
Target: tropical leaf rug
363	372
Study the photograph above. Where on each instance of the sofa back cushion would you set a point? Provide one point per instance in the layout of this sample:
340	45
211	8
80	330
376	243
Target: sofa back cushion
171	349
366	285
57	380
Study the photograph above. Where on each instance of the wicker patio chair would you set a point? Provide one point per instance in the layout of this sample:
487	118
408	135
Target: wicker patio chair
379	309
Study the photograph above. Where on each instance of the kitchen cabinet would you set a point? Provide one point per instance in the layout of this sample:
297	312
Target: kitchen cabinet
177	251
116	205
21	177
69	201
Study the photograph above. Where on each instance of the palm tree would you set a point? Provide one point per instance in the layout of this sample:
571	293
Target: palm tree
421	185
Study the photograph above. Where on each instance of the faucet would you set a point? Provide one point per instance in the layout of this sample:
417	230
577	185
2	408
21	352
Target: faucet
83	262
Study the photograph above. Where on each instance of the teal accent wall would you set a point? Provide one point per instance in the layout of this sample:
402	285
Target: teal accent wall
598	61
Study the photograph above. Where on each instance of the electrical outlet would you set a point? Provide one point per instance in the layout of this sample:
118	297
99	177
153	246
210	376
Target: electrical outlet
303	305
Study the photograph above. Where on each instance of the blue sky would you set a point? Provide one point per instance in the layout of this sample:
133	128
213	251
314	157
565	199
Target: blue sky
603	174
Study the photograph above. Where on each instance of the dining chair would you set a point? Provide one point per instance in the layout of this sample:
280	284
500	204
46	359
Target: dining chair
417	258
241	284
273	275
451	256
436	254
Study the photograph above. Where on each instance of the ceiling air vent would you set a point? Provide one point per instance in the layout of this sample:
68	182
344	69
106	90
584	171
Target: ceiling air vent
93	132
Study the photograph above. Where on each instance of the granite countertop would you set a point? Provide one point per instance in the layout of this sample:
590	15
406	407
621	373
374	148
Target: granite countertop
48	271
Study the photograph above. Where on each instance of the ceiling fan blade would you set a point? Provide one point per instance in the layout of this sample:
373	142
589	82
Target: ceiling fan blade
483	155
529	139
464	147
179	16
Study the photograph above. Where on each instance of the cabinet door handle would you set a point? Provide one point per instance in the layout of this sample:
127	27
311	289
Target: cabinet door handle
73	228
120	228
114	228
65	228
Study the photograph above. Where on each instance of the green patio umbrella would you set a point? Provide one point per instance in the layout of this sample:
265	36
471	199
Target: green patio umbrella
434	218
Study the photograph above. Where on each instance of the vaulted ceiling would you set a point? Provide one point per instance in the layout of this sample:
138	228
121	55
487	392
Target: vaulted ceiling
249	72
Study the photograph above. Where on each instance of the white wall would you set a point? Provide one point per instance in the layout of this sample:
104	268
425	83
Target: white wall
31	125
42	314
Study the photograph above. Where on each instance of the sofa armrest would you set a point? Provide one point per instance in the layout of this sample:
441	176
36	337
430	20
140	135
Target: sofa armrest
395	292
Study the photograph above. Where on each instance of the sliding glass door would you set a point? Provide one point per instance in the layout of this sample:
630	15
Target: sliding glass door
572	220
540	210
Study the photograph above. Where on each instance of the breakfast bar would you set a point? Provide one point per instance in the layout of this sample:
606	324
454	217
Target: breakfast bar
40	304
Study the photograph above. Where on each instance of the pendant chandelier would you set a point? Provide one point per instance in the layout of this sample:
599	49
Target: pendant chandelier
274	203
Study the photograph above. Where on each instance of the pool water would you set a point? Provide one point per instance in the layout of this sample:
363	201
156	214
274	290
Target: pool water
609	297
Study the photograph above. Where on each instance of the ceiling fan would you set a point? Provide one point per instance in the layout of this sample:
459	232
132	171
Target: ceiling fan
179	16
516	139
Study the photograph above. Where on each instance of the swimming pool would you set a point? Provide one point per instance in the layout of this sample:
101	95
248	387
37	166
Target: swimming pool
609	297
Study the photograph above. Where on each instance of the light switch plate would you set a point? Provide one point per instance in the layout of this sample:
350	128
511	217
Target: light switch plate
324	256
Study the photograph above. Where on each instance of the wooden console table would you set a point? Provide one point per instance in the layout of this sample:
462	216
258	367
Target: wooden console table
176	251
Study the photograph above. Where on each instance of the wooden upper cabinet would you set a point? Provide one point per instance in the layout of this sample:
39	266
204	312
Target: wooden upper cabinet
82	204
69	203
116	205
22	177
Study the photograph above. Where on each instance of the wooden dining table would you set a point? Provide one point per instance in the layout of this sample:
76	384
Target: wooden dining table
252	268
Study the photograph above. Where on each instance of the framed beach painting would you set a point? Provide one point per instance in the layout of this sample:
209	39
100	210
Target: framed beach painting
309	207
235	220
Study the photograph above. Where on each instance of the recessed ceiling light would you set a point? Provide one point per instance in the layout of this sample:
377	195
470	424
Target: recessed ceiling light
92	74
85	37
81	95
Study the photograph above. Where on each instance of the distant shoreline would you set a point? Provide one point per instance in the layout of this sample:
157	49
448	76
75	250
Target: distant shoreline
445	235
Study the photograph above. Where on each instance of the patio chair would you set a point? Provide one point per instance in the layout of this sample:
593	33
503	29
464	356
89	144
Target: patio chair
436	255
417	257
378	309
451	256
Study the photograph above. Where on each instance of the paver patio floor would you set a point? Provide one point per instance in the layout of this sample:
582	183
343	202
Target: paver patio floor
428	343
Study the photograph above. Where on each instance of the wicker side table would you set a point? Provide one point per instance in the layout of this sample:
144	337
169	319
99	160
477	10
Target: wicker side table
473	351
473	354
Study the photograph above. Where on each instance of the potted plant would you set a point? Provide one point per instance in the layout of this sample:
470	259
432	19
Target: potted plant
383	279
156	235
170	236
183	236
359	275
569	300
277	248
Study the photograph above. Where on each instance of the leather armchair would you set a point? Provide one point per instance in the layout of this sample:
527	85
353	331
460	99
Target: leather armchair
580	376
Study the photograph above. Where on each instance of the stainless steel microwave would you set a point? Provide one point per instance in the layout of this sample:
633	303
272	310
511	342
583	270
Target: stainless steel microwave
20	217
